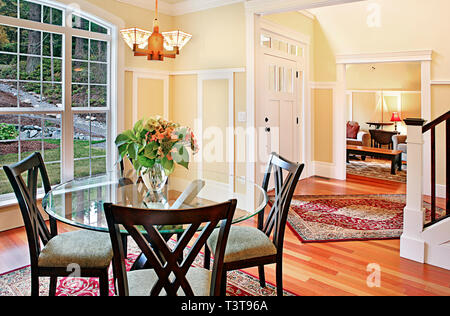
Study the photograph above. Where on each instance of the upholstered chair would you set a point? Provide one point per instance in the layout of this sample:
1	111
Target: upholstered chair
52	255
400	144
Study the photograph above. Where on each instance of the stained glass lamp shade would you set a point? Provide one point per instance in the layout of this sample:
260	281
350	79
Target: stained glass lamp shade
135	36
175	40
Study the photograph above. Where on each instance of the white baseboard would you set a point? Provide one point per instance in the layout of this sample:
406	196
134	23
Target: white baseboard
324	169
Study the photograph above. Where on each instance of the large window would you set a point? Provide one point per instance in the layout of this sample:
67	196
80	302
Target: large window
55	83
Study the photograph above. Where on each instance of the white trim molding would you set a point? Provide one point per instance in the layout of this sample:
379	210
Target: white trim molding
279	6
181	8
324	169
184	72
283	31
392	57
440	82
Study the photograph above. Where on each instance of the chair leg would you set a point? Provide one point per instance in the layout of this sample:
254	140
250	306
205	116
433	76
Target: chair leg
53	285
104	283
34	284
262	276
279	278
207	260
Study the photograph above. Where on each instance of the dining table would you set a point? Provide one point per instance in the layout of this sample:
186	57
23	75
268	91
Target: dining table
80	202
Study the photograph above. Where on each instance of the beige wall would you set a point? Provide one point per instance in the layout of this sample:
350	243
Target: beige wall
440	98
387	77
322	100
218	38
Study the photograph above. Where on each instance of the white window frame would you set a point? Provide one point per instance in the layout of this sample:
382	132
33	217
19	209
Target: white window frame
67	133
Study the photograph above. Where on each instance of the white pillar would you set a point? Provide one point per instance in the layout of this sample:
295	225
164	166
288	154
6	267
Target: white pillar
412	245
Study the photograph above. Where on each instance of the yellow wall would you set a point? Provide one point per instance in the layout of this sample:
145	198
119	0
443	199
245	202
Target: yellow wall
440	98
389	76
215	123
323	124
218	38
150	98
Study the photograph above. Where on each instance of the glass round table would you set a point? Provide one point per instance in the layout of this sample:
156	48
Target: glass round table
80	203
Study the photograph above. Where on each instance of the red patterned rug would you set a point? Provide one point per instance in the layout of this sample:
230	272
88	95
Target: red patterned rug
347	218
17	283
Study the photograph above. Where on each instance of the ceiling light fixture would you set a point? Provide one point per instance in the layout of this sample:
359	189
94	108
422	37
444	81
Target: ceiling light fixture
154	45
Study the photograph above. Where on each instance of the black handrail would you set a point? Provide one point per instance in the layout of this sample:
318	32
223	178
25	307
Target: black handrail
432	126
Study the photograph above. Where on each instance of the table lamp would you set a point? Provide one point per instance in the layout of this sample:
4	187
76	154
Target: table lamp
396	118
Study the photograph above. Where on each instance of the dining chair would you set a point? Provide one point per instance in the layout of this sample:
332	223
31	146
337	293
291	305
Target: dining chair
253	247
87	253
171	272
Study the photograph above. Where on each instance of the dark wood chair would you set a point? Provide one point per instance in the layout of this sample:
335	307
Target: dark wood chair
171	273
89	253
250	247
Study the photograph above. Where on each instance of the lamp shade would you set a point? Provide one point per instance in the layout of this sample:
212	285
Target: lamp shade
396	117
175	39
136	36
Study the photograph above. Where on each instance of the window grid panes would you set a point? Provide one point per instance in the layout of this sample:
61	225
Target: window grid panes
32	103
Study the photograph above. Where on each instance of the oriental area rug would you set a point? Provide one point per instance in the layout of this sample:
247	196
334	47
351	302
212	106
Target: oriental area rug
349	218
377	169
17	283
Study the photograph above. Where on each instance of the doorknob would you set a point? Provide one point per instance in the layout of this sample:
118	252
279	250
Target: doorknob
268	129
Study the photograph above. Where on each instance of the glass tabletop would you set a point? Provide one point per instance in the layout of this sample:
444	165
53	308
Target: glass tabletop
80	202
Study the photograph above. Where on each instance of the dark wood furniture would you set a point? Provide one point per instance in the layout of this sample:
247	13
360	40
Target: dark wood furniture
164	261
379	125
395	156
382	138
253	247
54	259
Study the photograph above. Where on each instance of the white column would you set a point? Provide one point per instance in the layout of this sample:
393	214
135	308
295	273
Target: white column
339	121
412	245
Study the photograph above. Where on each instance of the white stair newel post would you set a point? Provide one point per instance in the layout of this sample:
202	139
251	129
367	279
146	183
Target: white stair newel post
412	245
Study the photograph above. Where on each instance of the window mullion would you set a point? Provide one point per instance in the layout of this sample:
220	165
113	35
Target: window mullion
67	120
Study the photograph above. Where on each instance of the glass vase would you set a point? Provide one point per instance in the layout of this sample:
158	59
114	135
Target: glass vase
155	179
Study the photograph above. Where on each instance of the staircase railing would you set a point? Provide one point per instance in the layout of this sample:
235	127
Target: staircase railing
432	128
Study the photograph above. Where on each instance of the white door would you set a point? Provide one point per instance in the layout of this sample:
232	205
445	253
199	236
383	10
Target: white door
280	106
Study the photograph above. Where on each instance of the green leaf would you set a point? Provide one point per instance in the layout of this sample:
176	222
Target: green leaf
145	162
122	139
133	150
168	165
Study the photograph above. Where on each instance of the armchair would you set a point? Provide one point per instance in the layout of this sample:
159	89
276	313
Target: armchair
362	137
400	144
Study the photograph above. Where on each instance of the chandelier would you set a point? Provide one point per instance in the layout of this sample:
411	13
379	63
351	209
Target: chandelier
155	45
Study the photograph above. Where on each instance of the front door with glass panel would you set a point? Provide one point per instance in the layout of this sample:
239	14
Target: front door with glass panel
280	99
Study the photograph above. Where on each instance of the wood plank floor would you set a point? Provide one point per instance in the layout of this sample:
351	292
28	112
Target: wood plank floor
338	268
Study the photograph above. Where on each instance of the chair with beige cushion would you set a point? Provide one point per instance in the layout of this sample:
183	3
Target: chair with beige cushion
400	144
85	253
167	270
256	247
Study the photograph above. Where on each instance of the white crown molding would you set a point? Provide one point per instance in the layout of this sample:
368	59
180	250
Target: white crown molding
181	8
407	56
271	6
307	14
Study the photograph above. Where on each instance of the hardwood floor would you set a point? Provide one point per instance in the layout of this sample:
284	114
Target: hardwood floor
338	268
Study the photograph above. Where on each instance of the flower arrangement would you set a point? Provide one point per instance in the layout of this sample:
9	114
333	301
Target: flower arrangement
156	141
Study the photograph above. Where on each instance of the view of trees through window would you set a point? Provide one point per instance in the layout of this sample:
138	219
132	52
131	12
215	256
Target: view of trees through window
32	90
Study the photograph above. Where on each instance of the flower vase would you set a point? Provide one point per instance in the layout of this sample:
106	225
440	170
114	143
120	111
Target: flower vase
155	179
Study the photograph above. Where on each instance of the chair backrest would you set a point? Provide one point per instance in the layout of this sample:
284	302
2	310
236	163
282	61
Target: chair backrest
26	194
210	217
286	176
